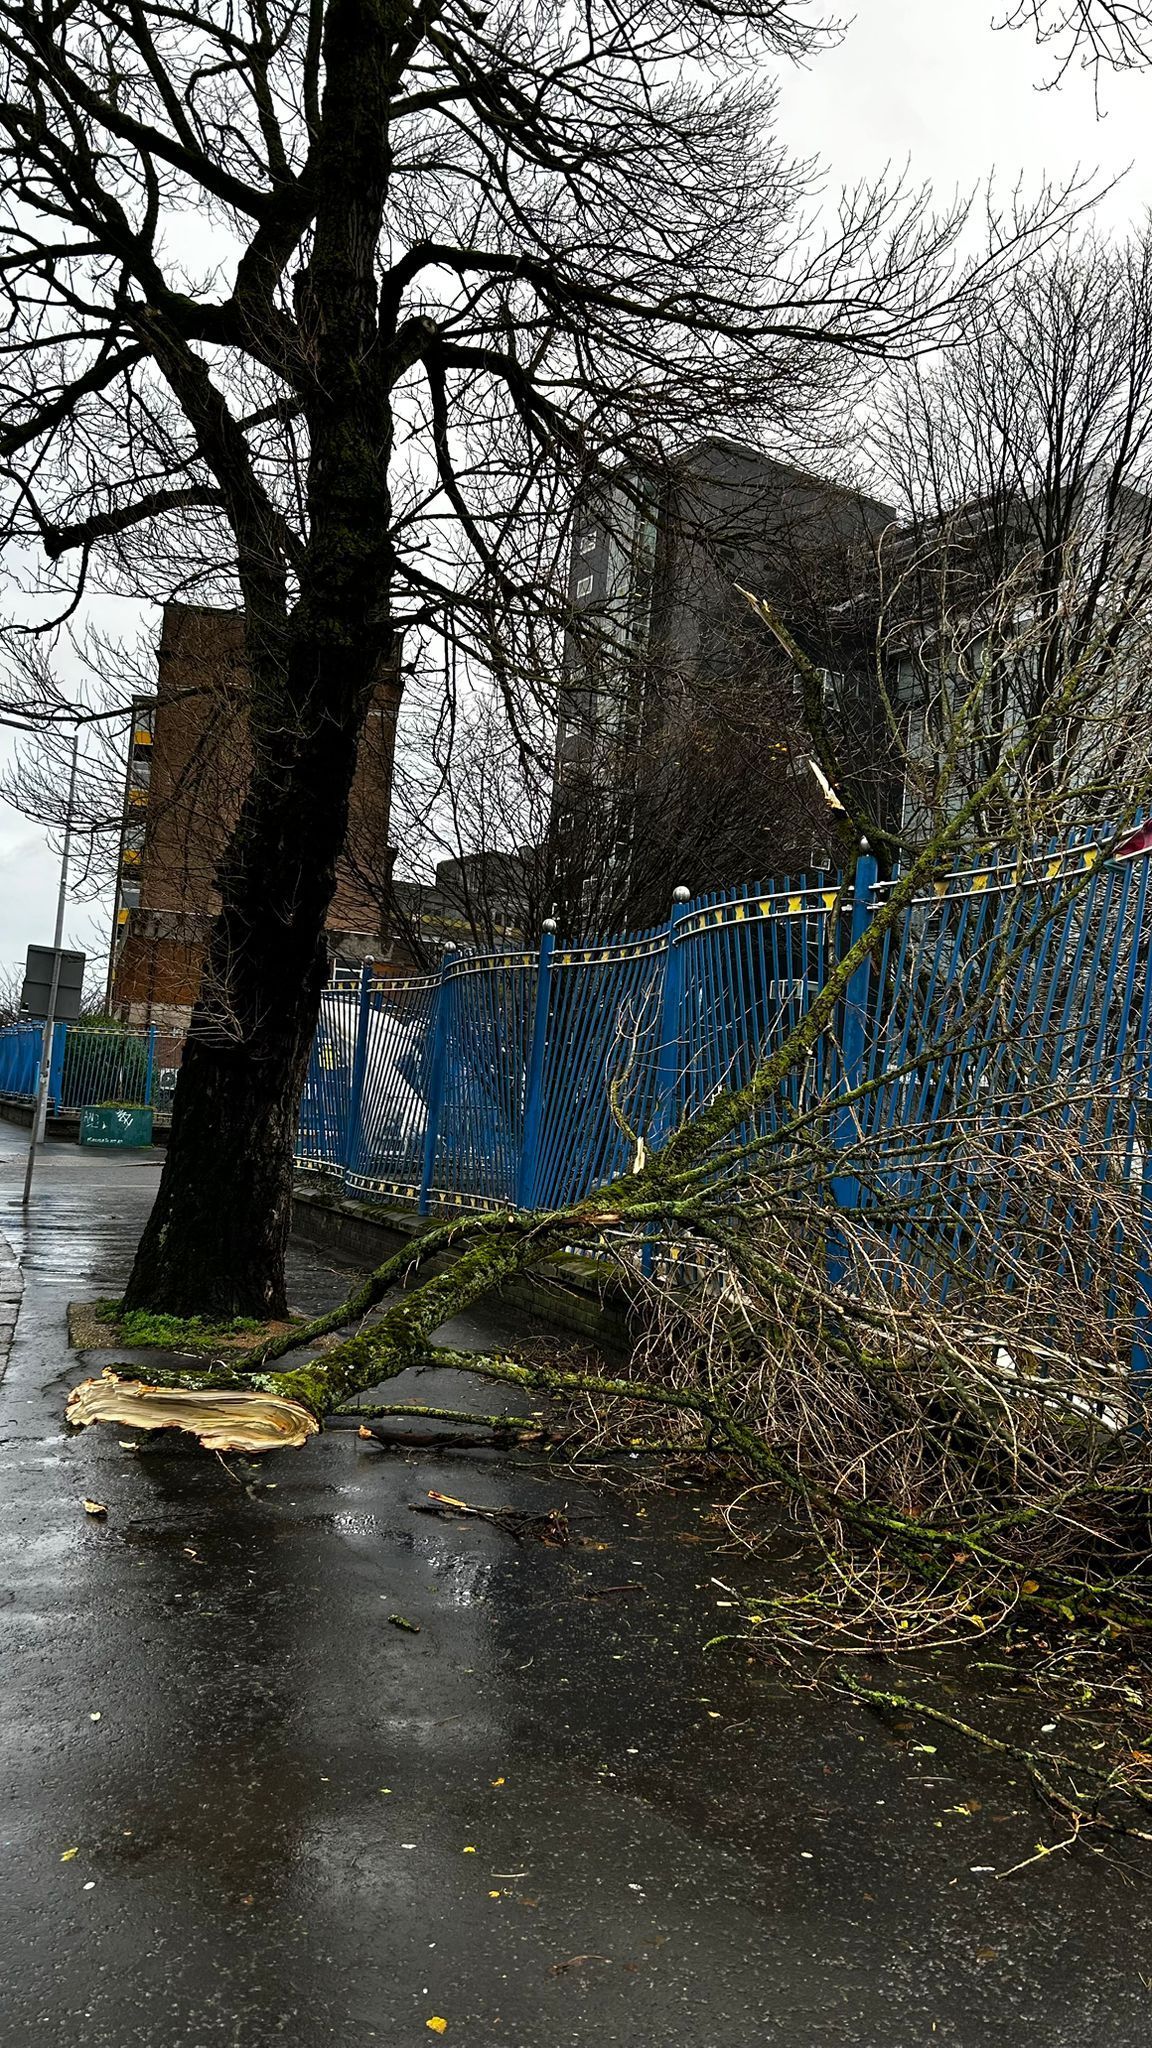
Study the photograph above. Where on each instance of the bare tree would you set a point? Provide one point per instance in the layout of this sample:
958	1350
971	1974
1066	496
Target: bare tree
1026	464
1105	35
439	258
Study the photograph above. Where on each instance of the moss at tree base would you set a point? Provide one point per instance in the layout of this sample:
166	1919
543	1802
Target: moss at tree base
99	1326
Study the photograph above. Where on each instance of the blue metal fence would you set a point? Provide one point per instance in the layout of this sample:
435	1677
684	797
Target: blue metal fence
1004	1014
530	1078
20	1047
90	1064
1004	1018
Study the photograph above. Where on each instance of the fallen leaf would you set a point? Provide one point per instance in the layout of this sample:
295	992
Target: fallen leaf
412	1628
468	1850
494	1895
496	1781
94	1507
94	1717
987	1955
69	1854
436	2025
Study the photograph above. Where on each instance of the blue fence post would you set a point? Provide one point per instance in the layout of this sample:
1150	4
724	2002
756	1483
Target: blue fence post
354	1127
668	1050
437	1074
534	1083
1142	1092
56	1067
1142	1307
150	1065
853	1050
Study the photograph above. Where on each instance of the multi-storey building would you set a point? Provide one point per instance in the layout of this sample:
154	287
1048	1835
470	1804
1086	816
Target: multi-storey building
680	753
187	770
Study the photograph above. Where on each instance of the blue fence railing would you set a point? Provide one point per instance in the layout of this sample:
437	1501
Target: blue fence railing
530	1078
1006	1011
90	1064
1001	1022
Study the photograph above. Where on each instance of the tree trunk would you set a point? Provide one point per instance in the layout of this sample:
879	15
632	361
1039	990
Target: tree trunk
216	1239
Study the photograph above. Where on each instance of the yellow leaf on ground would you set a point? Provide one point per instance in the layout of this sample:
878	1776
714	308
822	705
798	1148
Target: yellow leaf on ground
69	1854
94	1507
436	2025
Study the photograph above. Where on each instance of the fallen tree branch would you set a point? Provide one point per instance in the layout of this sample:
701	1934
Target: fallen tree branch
1037	1763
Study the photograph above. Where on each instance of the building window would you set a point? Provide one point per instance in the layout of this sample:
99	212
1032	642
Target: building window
587	542
584	586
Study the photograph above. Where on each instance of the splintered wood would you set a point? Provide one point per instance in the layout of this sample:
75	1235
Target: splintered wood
223	1420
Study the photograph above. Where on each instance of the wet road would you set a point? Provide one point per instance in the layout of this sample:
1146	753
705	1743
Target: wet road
550	1819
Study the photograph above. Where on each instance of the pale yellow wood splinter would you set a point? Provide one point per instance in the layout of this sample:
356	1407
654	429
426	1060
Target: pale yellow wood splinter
223	1420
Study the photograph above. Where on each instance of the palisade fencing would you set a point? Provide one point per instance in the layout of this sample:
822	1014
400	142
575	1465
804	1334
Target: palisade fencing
90	1064
529	1078
1007	1036
1000	1022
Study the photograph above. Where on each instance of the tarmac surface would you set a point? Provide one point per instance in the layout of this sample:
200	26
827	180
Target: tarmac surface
241	1806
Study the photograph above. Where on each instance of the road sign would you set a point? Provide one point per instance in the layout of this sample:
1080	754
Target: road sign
37	990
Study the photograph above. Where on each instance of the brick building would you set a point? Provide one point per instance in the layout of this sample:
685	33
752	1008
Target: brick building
187	769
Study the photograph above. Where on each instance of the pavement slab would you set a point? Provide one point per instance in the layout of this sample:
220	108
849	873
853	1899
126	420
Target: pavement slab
551	1818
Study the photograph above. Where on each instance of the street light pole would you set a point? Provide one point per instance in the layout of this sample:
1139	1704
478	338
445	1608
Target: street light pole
40	1113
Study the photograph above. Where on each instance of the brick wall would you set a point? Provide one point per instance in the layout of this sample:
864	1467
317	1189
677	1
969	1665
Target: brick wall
200	766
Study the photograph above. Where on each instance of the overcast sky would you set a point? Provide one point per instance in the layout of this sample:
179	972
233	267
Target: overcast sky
921	83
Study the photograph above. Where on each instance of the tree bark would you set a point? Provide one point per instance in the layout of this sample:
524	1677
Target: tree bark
216	1240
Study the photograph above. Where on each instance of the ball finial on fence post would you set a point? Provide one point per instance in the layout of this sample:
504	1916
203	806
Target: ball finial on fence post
681	894
549	925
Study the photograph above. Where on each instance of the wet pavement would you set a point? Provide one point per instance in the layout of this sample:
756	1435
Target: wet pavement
551	1819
